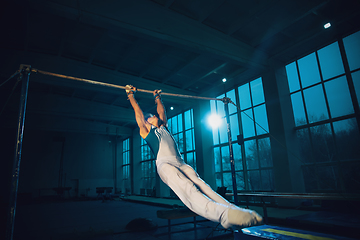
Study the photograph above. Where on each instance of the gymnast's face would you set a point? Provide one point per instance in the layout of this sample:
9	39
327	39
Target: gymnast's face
153	120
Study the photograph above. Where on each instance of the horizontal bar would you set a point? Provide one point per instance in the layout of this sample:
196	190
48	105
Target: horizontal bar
117	86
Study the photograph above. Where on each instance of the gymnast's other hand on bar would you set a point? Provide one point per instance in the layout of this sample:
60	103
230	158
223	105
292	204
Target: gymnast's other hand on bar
130	89
156	94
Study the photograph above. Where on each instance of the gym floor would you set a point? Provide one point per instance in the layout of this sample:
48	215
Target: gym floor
102	220
106	220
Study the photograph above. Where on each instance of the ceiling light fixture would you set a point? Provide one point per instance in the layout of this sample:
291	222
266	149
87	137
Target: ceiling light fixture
327	25
224	80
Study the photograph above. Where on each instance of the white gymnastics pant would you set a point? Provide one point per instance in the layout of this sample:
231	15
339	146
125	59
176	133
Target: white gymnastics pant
195	193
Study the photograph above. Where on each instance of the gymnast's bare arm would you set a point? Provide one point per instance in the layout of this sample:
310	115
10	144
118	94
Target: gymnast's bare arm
139	115
160	108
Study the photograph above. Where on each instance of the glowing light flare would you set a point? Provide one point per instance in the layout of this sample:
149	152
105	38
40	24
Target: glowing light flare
327	25
224	80
171	108
214	120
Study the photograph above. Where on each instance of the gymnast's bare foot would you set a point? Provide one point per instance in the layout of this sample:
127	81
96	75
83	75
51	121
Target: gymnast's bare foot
241	218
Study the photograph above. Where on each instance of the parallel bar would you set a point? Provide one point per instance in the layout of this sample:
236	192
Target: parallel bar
312	196
121	87
24	76
318	196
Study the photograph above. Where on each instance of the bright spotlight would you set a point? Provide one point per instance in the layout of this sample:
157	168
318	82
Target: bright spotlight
224	80
171	108
214	120
327	25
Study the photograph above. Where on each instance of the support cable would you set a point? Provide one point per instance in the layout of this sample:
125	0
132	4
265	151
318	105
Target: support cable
16	73
12	91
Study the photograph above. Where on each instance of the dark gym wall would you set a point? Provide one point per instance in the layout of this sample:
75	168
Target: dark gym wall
87	159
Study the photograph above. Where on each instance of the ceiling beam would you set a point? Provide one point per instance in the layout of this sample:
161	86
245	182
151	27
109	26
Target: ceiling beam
150	19
209	9
155	61
186	63
95	50
129	51
297	14
168	3
253	14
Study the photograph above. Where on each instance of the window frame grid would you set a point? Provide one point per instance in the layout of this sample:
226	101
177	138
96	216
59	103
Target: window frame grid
306	128
322	82
183	131
126	166
245	171
148	174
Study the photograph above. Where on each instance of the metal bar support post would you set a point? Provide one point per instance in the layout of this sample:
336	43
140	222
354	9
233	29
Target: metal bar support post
24	77
226	102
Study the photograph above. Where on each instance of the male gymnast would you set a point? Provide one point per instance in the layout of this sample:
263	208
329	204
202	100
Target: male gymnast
182	178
